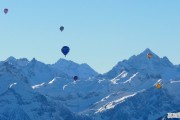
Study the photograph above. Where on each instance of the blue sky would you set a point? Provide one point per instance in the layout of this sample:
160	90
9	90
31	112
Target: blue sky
98	32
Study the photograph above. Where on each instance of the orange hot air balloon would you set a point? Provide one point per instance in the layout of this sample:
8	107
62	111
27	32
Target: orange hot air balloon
158	86
149	55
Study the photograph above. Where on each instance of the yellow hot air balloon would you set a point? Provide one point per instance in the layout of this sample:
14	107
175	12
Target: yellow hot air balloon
149	55
158	86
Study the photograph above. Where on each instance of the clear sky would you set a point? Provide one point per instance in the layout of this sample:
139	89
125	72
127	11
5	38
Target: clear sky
98	32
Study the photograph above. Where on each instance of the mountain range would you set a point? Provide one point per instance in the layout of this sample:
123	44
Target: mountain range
32	90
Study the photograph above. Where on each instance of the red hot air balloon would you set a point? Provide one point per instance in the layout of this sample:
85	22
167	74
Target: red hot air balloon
5	10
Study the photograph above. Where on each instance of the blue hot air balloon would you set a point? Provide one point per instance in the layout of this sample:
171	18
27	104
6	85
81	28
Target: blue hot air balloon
61	28
5	10
65	50
75	78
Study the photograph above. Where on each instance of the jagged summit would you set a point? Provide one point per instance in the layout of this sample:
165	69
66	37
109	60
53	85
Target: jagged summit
35	61
64	61
16	62
147	50
11	58
143	55
141	62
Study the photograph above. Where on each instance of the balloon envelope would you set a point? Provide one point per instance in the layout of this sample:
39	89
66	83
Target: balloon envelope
65	50
5	10
61	28
75	78
158	86
149	55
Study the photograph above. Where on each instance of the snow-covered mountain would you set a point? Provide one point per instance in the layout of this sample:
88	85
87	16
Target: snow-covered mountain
19	101
134	93
38	72
126	92
103	93
84	71
155	66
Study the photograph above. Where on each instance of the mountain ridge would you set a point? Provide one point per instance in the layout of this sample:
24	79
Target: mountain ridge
97	96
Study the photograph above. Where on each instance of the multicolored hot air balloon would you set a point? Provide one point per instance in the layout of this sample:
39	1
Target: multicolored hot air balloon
149	55
75	78
61	28
5	10
65	50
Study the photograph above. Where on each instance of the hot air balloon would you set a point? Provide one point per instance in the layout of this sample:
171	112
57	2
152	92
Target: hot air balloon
61	28
158	86
65	50
149	55
5	10
75	78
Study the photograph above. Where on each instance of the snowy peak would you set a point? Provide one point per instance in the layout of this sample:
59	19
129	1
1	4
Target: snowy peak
142	63
17	62
144	56
10	59
71	68
153	60
147	51
64	61
35	62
